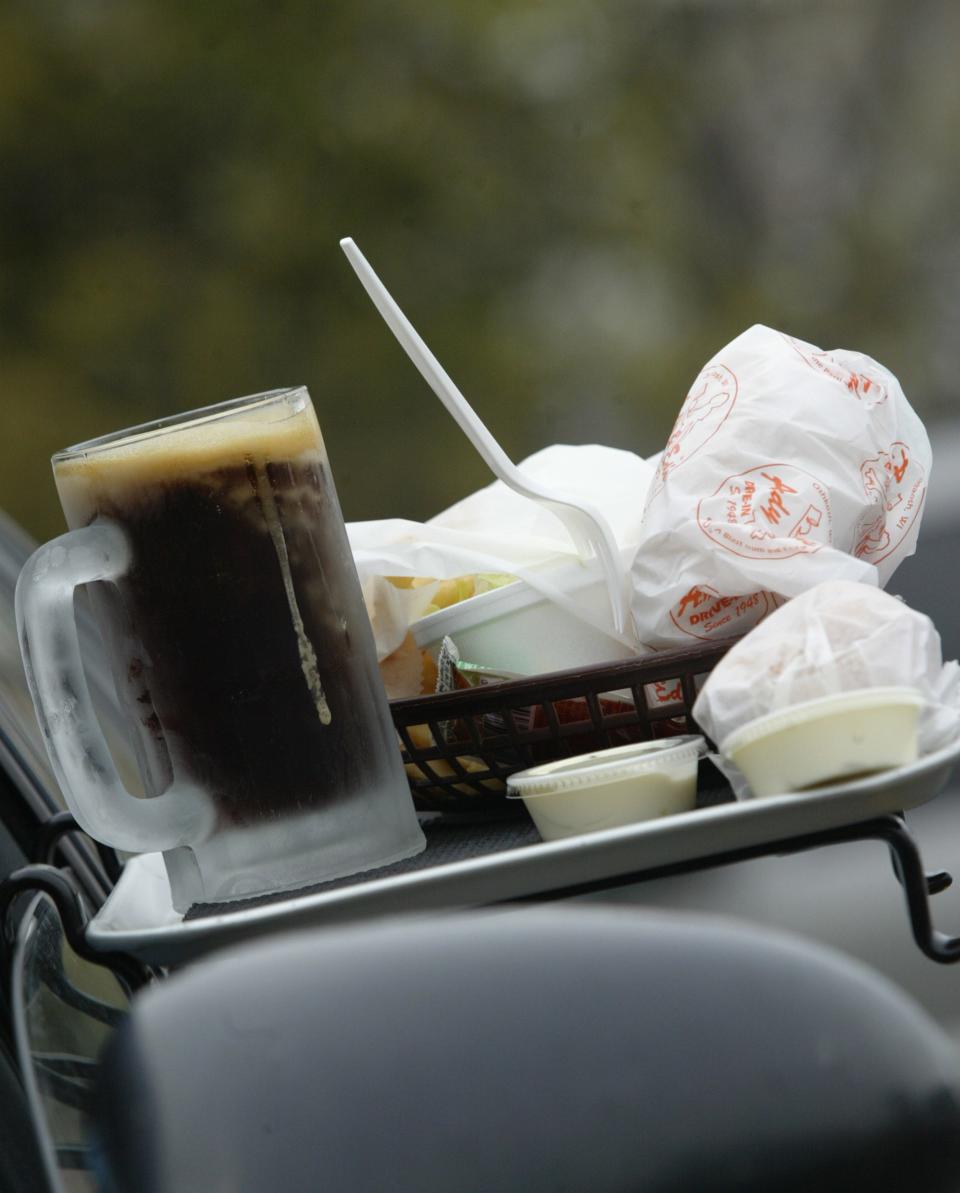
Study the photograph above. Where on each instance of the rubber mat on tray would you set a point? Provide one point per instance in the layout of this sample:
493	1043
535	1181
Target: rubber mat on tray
447	841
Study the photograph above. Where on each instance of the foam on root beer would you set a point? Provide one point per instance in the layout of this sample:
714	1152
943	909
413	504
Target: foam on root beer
116	472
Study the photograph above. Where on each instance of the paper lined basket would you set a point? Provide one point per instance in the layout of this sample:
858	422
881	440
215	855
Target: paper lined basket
460	748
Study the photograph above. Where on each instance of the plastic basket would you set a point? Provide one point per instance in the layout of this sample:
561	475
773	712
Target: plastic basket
460	748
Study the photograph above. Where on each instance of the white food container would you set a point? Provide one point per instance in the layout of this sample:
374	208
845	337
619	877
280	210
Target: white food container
834	737
517	629
609	788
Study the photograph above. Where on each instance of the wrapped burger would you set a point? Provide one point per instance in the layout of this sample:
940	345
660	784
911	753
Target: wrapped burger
843	680
787	466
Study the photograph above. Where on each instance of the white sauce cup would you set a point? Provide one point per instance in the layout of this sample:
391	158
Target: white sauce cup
821	741
610	788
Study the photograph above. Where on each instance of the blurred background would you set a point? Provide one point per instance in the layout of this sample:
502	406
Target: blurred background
576	203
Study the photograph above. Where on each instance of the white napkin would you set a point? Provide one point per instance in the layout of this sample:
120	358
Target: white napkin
497	531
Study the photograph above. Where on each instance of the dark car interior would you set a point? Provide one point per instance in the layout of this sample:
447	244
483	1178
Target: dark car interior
540	1049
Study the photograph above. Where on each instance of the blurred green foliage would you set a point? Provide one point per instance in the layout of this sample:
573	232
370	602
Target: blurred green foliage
576	203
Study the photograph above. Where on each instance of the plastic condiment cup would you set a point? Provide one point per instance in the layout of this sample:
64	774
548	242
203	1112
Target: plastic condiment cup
821	741
516	628
609	788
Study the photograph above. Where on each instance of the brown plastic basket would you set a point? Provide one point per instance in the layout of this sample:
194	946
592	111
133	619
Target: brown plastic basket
460	748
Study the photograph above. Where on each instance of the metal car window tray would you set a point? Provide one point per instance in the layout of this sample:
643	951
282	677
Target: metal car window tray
138	919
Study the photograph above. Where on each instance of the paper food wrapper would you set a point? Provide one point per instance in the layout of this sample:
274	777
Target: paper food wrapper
837	637
787	466
497	531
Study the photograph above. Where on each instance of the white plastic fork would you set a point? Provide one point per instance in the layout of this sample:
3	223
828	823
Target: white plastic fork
586	525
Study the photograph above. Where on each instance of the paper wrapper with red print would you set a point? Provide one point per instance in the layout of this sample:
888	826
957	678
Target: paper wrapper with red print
838	637
787	466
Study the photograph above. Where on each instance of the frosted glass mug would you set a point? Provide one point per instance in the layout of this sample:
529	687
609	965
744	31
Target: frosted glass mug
222	581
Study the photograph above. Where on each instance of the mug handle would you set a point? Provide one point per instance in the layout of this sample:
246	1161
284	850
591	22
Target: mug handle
79	755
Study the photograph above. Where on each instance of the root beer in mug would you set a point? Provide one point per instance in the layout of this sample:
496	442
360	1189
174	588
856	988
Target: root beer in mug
225	590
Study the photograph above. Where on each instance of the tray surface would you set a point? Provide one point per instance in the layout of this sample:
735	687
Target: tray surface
479	864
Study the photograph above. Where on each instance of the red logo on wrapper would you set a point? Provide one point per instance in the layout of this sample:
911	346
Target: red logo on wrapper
897	485
709	402
665	692
774	511
869	388
703	613
663	697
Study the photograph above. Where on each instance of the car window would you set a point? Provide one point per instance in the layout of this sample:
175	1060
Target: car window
19	732
64	1011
